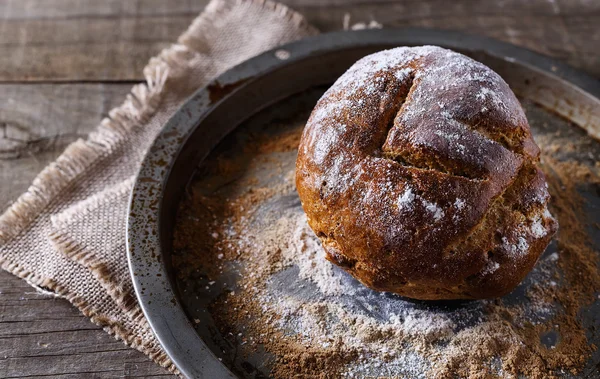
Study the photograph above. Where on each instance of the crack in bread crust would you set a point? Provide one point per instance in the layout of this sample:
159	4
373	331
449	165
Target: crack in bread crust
406	159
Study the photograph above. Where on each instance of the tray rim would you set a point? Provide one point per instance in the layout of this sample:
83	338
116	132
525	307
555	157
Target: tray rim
159	304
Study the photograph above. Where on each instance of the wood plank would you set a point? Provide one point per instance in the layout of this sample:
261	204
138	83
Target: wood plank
21	320
103	364
65	9
585	42
84	49
567	30
45	336
88	40
74	341
38	121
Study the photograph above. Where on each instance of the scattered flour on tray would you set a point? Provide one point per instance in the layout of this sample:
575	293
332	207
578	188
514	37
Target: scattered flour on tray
339	309
305	251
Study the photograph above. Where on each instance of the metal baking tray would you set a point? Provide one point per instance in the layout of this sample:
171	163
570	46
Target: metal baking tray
299	72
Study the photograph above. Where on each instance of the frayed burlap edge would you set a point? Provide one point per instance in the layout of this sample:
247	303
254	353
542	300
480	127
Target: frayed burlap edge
139	106
109	280
100	271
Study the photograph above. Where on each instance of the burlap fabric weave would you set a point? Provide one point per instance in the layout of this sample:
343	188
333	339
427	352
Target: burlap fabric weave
66	234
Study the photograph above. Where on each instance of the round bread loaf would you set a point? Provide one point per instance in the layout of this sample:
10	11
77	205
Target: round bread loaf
418	172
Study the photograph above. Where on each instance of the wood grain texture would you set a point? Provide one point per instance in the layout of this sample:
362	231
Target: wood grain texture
38	121
88	40
565	29
64	40
44	336
70	43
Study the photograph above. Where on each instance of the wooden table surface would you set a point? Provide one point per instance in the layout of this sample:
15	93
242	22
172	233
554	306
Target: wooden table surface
66	63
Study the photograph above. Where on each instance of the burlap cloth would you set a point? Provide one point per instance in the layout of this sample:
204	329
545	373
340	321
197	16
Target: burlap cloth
66	234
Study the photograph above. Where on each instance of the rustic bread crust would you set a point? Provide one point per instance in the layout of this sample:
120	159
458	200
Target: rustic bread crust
418	172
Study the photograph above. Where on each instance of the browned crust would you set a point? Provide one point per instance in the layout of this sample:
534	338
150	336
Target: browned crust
418	172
